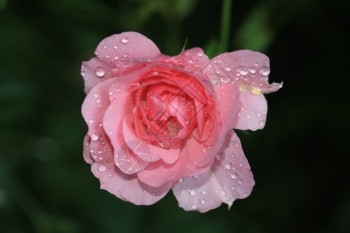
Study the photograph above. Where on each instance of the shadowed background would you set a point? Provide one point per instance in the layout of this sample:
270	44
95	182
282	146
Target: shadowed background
300	160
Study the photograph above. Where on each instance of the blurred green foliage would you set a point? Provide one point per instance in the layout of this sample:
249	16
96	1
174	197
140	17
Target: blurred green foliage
300	160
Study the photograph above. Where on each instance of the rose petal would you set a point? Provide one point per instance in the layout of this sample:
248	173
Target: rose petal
192	59
228	179
247	69
93	110
126	46
169	172
199	154
227	103
252	112
127	187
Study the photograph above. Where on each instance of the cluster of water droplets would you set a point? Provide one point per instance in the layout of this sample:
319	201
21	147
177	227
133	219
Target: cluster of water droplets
253	77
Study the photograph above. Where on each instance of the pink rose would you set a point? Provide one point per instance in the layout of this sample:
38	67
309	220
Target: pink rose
158	123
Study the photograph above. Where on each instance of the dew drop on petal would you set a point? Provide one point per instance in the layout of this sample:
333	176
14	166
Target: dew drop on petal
193	193
83	73
240	182
194	207
225	79
243	70
245	194
100	72
204	192
94	137
220	156
252	70
228	166
264	70
181	180
262	123
223	193
102	168
234	176
124	40
227	68
203	202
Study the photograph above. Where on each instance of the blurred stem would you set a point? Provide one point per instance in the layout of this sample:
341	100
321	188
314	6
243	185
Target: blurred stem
225	25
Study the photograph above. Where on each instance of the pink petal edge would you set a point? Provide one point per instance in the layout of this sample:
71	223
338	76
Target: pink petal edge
229	178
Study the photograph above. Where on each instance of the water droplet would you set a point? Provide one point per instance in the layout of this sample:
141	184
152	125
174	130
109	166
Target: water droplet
116	58
124	40
194	207
245	194
225	79
240	182
203	202
115	47
193	193
100	72
248	116
94	137
228	69
262	123
214	81
223	193
92	151
199	54
220	156
83	73
196	177
252	70
234	176
243	70
181	180
258	114
91	121
204	192
264	70
228	166
102	168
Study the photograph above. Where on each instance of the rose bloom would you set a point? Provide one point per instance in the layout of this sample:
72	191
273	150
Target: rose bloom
158	123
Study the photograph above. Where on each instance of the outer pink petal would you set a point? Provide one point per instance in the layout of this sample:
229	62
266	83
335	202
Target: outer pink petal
228	179
200	155
192	60
93	109
252	112
227	102
126	46
127	187
159	173
247	69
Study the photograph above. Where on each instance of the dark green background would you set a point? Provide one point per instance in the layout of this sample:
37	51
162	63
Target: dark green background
300	160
